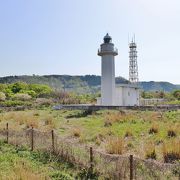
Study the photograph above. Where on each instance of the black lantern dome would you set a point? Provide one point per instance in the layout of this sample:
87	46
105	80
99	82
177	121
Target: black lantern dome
107	38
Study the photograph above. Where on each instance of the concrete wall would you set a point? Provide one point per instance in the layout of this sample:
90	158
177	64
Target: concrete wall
119	96
96	108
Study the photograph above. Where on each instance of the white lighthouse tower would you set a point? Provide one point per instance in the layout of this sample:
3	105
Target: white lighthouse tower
108	87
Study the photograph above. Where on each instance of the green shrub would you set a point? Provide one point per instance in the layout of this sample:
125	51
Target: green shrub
176	94
88	174
60	175
41	90
11	103
2	96
29	92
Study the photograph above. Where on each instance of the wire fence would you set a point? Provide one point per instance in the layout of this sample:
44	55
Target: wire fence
108	166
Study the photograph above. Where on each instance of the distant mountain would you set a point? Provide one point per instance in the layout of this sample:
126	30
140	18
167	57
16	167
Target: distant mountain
158	86
83	84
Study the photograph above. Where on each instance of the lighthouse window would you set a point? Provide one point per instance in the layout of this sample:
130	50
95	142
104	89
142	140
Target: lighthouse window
128	93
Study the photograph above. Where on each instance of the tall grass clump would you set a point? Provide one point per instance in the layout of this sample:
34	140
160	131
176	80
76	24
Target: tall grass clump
150	152
76	132
171	132
171	151
128	133
112	117
115	145
154	129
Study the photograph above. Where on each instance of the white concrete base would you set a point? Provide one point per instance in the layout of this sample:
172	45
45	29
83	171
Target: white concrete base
126	95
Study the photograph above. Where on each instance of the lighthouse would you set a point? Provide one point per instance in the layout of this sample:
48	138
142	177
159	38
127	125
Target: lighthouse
108	87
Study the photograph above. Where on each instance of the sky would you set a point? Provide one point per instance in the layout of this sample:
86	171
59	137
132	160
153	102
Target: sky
44	37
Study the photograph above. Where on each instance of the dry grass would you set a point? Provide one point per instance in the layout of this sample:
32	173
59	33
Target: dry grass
49	121
23	171
115	145
150	152
155	116
112	117
27	119
22	118
119	117
171	151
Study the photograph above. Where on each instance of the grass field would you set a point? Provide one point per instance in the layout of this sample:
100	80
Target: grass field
142	133
19	163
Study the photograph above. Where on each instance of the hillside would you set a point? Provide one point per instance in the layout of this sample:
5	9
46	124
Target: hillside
158	86
83	84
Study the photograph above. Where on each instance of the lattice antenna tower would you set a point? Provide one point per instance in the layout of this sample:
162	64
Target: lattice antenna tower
133	66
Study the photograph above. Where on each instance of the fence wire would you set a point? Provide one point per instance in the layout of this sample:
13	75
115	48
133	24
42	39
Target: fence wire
109	166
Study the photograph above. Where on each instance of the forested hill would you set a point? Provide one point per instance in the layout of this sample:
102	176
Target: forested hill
83	84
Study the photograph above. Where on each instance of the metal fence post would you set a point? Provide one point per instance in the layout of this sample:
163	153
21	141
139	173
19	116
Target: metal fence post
7	133
32	139
52	133
131	166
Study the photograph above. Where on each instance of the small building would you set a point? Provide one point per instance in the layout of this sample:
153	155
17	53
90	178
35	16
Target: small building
112	94
127	95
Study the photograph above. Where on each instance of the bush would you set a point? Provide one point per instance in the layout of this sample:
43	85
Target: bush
87	174
22	97
40	90
29	92
60	175
17	87
2	96
11	103
115	145
176	94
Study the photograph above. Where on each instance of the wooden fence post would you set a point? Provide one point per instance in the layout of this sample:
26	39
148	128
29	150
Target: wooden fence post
7	133
32	139
52	133
91	162
131	166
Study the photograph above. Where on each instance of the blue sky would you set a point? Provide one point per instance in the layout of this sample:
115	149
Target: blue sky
62	36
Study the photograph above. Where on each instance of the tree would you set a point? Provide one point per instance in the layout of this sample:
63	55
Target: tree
176	94
147	95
